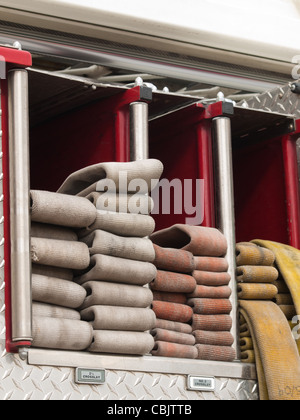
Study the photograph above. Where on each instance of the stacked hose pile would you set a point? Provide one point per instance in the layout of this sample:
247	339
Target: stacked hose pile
210	318
121	266
212	322
265	332
173	333
117	304
287	261
55	254
256	278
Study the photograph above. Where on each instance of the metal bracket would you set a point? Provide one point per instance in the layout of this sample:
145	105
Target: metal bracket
146	93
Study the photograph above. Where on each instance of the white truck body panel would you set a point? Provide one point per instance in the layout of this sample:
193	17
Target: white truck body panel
264	28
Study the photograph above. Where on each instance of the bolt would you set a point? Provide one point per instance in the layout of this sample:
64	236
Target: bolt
23	353
17	45
139	81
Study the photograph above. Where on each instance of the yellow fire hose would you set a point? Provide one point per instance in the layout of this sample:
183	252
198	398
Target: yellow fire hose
276	352
288	263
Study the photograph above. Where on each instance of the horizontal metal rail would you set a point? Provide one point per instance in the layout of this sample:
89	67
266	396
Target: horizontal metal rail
150	364
158	67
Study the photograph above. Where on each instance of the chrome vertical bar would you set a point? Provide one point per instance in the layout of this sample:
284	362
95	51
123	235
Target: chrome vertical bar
19	205
139	133
225	206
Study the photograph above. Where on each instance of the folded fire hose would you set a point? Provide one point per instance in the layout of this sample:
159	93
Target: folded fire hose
276	354
288	264
84	181
265	331
191	291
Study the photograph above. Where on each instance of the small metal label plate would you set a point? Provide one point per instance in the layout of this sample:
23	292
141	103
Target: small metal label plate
90	376
200	383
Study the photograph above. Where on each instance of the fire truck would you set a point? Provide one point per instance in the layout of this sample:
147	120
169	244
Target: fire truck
219	86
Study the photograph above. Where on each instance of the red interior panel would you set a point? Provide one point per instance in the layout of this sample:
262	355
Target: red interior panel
260	198
182	141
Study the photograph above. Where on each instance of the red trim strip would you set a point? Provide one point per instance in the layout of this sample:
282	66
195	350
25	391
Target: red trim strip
16	58
292	189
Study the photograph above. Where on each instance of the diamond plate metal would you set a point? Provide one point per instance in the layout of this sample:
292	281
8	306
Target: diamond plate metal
22	382
281	100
